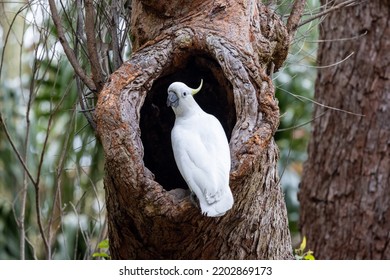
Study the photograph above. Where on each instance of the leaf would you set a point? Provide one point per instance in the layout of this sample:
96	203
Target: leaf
103	244
309	257
303	244
100	255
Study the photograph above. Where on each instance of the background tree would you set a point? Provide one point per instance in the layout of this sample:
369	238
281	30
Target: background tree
345	190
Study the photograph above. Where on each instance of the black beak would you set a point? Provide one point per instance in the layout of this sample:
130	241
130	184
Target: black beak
172	100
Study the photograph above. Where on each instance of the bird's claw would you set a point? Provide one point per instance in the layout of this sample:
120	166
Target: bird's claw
194	200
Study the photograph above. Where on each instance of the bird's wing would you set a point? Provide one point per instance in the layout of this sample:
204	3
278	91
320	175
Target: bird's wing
218	147
203	157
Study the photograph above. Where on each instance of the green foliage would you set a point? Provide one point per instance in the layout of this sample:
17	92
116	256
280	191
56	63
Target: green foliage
103	253
300	253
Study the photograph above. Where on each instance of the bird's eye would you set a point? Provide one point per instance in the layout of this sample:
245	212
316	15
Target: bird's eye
185	93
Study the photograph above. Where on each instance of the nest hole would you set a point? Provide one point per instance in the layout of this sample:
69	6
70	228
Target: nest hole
157	120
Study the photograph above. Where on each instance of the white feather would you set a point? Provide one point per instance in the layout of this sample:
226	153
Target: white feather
201	153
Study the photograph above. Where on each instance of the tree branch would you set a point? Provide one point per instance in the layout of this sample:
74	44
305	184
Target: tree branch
295	17
38	193
79	34
114	22
97	74
68	50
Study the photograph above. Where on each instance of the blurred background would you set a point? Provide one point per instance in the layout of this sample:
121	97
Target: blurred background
45	128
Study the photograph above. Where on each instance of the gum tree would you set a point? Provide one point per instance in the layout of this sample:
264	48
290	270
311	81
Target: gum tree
344	194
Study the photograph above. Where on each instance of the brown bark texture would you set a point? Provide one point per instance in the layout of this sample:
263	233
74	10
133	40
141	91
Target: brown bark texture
230	45
345	190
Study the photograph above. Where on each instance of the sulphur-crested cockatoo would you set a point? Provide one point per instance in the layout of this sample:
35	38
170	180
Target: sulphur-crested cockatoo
201	151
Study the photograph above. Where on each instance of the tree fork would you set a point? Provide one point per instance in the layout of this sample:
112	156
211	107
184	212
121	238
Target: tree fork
229	44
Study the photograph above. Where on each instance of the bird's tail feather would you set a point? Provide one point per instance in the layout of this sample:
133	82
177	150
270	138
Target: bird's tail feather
220	207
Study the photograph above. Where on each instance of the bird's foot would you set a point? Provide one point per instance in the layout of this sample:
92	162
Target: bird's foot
194	200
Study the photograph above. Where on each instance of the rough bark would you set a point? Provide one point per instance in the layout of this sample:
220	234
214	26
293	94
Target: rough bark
345	190
229	44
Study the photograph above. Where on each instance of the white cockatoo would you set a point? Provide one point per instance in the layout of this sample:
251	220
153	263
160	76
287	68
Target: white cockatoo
201	151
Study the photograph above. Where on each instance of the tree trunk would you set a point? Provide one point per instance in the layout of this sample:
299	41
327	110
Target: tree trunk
345	189
230	45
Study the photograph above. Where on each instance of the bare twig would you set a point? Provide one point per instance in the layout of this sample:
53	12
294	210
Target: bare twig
340	39
333	64
79	26
68	50
2	122
114	26
23	204
7	35
100	207
80	91
295	17
56	207
40	165
126	12
97	74
303	98
327	11
38	195
35	182
301	124
86	110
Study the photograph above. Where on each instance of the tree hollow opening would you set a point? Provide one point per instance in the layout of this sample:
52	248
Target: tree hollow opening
157	120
